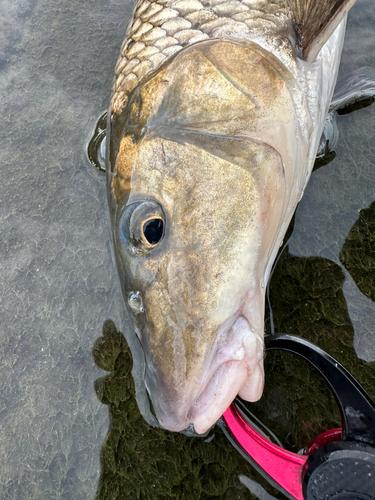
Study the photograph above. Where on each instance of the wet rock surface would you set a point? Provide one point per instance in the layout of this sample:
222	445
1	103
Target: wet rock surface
58	284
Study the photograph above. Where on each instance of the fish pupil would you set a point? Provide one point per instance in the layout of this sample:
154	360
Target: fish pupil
153	230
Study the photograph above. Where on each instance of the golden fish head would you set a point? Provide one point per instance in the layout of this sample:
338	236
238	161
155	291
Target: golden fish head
197	203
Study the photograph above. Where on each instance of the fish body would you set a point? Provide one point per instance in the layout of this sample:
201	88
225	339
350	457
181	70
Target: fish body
215	120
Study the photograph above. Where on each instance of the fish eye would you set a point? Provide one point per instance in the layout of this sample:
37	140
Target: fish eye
141	226
152	230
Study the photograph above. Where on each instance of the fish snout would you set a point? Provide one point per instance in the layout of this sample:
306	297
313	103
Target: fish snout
235	366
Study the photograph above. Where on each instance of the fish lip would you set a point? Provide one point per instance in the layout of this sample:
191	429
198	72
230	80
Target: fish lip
232	358
224	353
208	386
228	361
199	412
183	421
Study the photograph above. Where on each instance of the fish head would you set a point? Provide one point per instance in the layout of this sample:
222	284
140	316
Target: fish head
198	201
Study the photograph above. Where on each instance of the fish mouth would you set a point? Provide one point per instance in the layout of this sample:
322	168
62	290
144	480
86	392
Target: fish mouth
241	373
235	368
218	395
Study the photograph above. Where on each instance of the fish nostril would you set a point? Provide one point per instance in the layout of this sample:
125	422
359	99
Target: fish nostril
135	302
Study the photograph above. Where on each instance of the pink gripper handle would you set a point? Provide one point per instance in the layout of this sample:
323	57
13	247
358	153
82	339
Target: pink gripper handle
283	466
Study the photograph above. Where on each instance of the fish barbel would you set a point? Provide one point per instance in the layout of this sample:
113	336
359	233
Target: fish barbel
214	124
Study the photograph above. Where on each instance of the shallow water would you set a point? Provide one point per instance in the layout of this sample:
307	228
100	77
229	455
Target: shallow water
59	284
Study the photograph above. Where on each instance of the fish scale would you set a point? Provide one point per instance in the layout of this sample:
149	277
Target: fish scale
161	28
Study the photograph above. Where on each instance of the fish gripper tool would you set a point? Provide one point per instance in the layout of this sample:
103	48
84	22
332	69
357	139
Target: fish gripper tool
339	464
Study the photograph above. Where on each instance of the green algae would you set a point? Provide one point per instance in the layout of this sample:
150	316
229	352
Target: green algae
358	252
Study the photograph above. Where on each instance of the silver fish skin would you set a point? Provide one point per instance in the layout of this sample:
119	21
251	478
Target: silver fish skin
214	125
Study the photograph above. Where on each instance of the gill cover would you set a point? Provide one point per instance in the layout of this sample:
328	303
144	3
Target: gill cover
200	178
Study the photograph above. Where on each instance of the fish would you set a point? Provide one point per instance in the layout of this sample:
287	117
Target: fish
214	123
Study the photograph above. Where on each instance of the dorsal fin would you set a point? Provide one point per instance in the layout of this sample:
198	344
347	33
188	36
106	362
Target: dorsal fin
315	21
